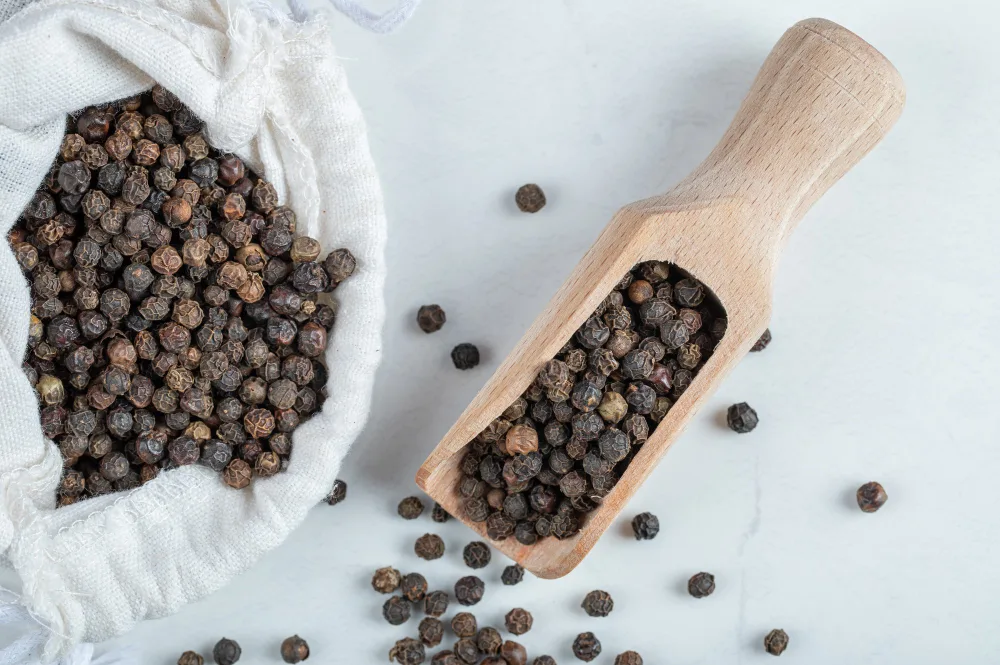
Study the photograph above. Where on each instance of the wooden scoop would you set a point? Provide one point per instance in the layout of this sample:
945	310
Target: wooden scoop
822	100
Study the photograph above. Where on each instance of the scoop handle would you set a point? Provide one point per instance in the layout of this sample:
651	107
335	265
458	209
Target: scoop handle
823	98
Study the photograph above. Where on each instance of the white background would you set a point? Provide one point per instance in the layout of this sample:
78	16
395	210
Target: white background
883	364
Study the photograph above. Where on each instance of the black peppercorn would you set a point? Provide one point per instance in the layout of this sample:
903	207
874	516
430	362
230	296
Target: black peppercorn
871	496
410	508
408	651
628	658
701	585
413	586
645	526
469	590
741	418
518	621
586	647
339	491
775	642
429	547
465	356
386	580
598	604
476	554
435	603
226	652
294	649
430	318
762	343
530	198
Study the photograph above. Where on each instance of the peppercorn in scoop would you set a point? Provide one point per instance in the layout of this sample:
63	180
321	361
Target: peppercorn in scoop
552	456
176	318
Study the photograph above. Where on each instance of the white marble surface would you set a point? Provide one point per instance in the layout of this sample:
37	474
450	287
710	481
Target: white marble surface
883	366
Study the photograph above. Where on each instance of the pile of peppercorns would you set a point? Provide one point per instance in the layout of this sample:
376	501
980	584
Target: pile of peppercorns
474	644
557	451
175	318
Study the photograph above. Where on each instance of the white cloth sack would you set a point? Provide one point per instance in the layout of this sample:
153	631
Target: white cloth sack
269	89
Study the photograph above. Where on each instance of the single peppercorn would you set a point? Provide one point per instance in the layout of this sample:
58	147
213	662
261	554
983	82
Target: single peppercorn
489	641
512	575
761	343
337	494
408	651
429	547
741	418
598	603
701	585
586	647
386	580
476	554
645	526
518	621
430	318
775	642
465	356
226	652
435	603
396	610
410	508
439	514
431	631
464	624
294	649
530	198
544	660
628	658
469	590
413	586
190	658
871	496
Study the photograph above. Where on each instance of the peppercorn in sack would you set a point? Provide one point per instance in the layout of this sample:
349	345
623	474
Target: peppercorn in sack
270	90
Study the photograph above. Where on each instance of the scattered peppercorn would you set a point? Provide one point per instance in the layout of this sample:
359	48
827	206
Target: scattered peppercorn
429	547
586	647
871	497
741	418
226	652
191	658
413	586
294	649
410	508
142	321
469	590
762	343
430	318
776	642
435	603
386	580
645	526
476	554
464	624
701	585
337	494
408	651
544	660
530	198
431	631
557	451
598	603
513	653
465	356
488	641
396	610
512	575
518	621
439	514
628	658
